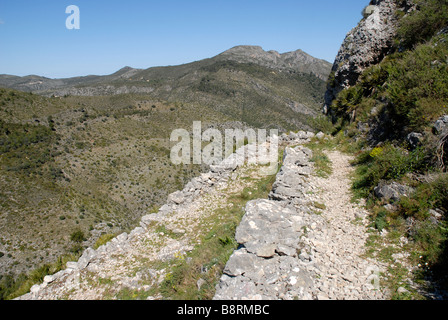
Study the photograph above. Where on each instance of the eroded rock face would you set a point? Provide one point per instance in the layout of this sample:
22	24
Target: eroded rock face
365	45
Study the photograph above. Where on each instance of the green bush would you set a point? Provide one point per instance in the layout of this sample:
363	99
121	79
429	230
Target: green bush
103	239
26	148
380	220
347	102
422	24
431	240
385	163
417	86
427	196
77	236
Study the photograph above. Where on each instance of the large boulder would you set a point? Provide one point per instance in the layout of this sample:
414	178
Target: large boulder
392	191
441	125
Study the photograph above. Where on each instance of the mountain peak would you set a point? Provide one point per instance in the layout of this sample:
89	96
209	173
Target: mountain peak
298	60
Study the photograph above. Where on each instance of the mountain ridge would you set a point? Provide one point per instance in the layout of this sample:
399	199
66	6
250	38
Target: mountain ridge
297	61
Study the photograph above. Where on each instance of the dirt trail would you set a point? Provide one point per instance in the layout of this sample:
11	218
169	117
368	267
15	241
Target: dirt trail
339	245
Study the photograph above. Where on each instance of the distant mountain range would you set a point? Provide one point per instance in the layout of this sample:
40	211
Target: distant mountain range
259	88
295	61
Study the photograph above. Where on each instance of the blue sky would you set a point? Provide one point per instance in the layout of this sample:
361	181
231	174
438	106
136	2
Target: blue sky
141	34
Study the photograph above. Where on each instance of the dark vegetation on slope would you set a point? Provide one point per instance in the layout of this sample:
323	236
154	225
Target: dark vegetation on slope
77	169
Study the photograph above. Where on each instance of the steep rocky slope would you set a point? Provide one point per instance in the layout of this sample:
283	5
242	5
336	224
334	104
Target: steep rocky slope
365	45
387	99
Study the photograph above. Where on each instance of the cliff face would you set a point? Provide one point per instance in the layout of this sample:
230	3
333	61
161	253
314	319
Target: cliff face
365	45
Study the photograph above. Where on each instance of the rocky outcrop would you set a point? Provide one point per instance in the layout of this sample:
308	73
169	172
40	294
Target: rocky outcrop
365	45
441	126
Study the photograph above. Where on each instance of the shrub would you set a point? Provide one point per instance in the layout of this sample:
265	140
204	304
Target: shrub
427	196
380	220
77	236
417	86
347	102
103	239
385	163
26	148
422	24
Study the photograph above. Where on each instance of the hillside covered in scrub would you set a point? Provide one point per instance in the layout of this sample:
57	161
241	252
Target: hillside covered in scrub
83	159
387	97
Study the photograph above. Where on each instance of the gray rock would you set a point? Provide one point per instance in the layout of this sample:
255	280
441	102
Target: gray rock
320	135
435	216
148	219
300	279
72	265
310	134
441	125
284	250
302	135
35	289
122	237
303	256
366	44
217	168
136	231
239	263
266	250
176	197
393	191
304	171
49	279
86	257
